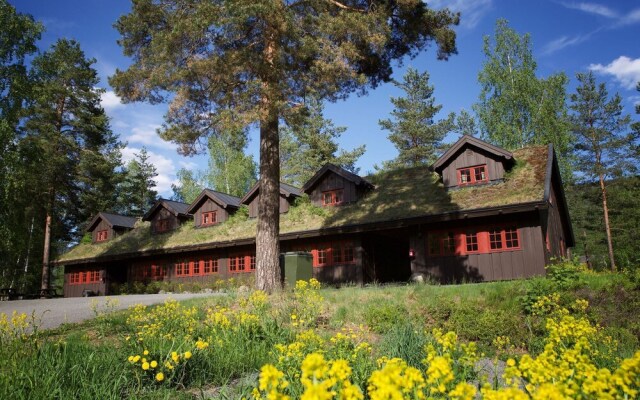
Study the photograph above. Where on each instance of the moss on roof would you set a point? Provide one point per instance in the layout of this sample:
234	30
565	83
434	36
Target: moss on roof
398	194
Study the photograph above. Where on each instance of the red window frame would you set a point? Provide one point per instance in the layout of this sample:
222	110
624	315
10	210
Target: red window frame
341	252
162	225
240	263
477	241
210	266
102	235
333	197
209	218
473	175
87	276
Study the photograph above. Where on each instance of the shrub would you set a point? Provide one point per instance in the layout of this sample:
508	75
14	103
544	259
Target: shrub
566	273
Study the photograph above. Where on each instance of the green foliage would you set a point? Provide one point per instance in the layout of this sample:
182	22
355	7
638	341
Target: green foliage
603	143
565	273
516	108
188	188
137	193
412	128
466	124
384	316
230	169
309	142
404	340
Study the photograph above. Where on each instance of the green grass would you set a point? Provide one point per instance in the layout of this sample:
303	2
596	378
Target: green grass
89	360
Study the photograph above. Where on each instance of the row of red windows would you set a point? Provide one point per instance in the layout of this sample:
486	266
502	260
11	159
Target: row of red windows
333	253
473	241
197	268
79	277
102	236
473	175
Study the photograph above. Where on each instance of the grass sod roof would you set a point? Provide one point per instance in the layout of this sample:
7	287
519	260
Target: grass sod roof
398	194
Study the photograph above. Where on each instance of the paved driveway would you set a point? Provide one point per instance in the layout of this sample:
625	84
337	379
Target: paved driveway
54	312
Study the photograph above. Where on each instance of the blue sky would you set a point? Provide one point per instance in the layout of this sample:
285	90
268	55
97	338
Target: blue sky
569	36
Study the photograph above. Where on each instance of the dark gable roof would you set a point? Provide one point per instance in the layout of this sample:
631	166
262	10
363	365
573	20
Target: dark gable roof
286	190
175	207
472	141
350	176
114	221
223	199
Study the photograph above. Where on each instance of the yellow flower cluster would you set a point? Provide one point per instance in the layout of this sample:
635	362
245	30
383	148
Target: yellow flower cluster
566	367
307	303
321	380
158	368
17	327
222	319
170	320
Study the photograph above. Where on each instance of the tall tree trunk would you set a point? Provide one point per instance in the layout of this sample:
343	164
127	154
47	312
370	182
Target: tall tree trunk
268	231
45	256
607	228
267	237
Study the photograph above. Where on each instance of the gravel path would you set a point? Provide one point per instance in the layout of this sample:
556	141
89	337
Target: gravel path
54	312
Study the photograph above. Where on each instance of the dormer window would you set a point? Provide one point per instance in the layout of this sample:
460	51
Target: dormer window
162	225
209	218
102	236
473	175
332	197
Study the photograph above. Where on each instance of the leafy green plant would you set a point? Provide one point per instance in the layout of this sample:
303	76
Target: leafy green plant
566	273
382	317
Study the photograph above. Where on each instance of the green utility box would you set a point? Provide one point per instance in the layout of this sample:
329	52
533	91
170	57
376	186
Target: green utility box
296	266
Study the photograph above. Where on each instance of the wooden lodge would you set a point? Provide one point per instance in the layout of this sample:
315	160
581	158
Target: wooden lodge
480	213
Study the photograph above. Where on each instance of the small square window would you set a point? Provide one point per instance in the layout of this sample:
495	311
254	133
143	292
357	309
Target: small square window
471	239
495	239
472	175
209	218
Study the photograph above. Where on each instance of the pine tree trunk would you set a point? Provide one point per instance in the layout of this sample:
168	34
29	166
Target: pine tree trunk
45	255
267	237
268	232
607	228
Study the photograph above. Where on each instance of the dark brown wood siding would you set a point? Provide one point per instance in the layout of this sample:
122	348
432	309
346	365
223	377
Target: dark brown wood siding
333	181
253	206
161	214
525	262
102	226
207	206
77	289
469	157
554	235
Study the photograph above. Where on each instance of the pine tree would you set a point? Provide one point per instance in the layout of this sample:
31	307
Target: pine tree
221	63
516	109
414	132
17	41
65	120
230	169
603	145
309	143
137	193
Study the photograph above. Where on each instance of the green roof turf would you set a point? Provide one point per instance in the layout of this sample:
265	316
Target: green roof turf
398	194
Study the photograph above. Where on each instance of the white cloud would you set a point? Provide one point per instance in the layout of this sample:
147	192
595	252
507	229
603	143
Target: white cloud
148	135
188	165
593	8
164	167
110	100
631	18
624	70
562	42
471	12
